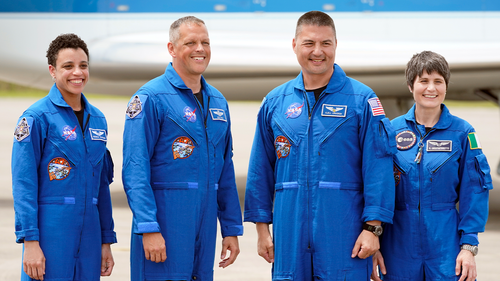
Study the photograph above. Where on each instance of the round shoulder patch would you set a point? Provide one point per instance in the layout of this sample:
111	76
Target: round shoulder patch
282	146
182	148
405	140
58	168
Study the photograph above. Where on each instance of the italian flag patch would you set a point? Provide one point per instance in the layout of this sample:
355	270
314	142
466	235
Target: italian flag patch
474	141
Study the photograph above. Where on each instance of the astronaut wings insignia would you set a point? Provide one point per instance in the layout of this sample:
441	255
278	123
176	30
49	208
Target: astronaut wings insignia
330	110
218	114
439	145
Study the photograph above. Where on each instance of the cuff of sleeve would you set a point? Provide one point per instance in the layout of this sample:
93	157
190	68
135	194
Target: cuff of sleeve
108	237
258	216
27	235
371	213
232	230
147	227
469	238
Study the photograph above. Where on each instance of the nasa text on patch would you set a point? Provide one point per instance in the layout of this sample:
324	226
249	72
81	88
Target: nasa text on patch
189	114
22	131
218	114
294	110
330	110
69	132
98	134
439	145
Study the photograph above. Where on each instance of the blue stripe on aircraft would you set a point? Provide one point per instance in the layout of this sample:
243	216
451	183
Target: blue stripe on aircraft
210	6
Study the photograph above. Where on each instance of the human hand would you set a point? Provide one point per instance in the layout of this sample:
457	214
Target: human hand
107	261
33	260
378	260
366	245
466	264
229	243
265	246
154	247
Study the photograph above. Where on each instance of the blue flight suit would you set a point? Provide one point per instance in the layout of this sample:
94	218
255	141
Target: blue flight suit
179	177
60	182
428	229
325	169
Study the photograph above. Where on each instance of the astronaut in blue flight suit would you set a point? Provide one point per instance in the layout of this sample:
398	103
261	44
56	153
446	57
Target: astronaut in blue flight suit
61	171
177	166
321	167
439	164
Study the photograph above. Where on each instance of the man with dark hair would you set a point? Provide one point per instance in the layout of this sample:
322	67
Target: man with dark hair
321	167
177	166
61	171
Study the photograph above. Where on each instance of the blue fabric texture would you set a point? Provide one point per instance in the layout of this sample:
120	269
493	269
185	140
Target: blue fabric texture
429	226
179	177
317	172
60	182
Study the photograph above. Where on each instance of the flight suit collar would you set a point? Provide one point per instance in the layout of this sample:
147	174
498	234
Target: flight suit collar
444	122
335	84
177	81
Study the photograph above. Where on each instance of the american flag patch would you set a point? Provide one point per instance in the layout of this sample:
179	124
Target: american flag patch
377	108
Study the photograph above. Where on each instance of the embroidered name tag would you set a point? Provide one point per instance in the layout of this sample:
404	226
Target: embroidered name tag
329	110
218	114
98	134
439	145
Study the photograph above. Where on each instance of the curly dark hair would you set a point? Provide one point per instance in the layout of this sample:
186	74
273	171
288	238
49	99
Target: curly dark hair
63	41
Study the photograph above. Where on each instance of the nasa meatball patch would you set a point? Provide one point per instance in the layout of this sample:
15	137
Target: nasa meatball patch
182	148
218	114
189	114
405	140
69	132
59	168
282	146
294	110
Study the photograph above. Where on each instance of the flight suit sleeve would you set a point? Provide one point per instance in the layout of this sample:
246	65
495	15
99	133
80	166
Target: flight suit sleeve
104	205
259	195
378	143
29	138
140	135
228	204
475	184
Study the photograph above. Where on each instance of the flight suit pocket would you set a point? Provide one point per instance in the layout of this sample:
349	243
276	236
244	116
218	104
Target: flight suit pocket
479	171
385	140
286	146
401	170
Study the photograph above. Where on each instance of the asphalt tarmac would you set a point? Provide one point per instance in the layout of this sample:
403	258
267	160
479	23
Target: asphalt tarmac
248	266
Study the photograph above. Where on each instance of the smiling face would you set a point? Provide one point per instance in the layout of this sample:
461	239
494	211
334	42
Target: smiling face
315	48
429	90
71	72
191	52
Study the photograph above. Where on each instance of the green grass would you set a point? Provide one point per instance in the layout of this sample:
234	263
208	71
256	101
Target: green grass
9	90
456	103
